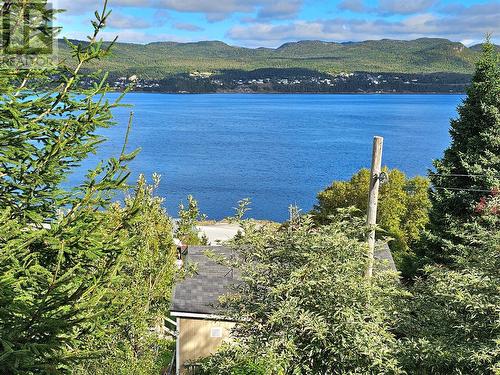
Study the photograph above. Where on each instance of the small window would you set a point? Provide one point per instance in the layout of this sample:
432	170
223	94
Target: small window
216	332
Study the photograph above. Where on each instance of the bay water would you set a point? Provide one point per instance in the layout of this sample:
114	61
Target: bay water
275	149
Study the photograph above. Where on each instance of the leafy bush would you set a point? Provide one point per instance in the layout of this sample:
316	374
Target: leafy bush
452	320
304	302
129	330
402	211
59	249
233	360
186	226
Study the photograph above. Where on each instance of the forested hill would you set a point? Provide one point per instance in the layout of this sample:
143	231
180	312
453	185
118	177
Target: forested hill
190	67
157	60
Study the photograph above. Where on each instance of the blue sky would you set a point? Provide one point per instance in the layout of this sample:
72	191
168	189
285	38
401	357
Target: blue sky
270	23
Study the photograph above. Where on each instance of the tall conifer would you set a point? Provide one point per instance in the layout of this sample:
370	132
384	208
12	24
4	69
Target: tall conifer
469	171
60	249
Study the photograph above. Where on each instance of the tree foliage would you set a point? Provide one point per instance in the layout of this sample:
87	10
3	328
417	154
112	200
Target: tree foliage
162	60
304	304
470	167
452	322
130	328
402	211
66	276
235	360
453	317
189	217
298	301
48	126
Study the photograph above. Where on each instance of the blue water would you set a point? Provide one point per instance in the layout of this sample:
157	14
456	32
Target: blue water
275	149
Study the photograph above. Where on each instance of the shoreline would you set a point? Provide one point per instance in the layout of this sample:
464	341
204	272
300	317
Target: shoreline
288	93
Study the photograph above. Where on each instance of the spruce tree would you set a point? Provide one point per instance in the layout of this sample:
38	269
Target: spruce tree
449	322
470	168
60	248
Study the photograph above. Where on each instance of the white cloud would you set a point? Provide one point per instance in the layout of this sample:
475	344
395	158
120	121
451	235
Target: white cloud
353	5
268	27
263	34
121	21
469	42
404	6
283	9
89	6
214	10
388	7
224	8
131	36
454	27
187	26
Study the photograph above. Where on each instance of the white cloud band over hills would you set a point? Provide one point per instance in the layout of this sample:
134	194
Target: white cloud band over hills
273	22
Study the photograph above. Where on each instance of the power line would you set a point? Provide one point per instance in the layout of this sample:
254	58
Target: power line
462	189
463	175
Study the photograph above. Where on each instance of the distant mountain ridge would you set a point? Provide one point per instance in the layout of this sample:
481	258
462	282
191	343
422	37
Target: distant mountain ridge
479	47
158	60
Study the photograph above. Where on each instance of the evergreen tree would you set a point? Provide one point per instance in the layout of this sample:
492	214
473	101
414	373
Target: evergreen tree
470	167
450	324
60	249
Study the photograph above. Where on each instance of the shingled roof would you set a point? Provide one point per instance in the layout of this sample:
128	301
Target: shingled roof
200	292
383	254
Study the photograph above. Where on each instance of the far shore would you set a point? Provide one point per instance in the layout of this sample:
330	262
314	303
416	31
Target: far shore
291	93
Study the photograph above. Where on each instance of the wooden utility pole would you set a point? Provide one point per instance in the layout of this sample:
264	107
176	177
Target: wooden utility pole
376	169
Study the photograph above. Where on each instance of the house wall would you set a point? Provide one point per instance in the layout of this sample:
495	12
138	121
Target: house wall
195	339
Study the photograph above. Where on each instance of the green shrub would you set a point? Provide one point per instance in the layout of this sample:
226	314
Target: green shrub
186	227
60	249
134	308
402	210
452	323
232	360
304	304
